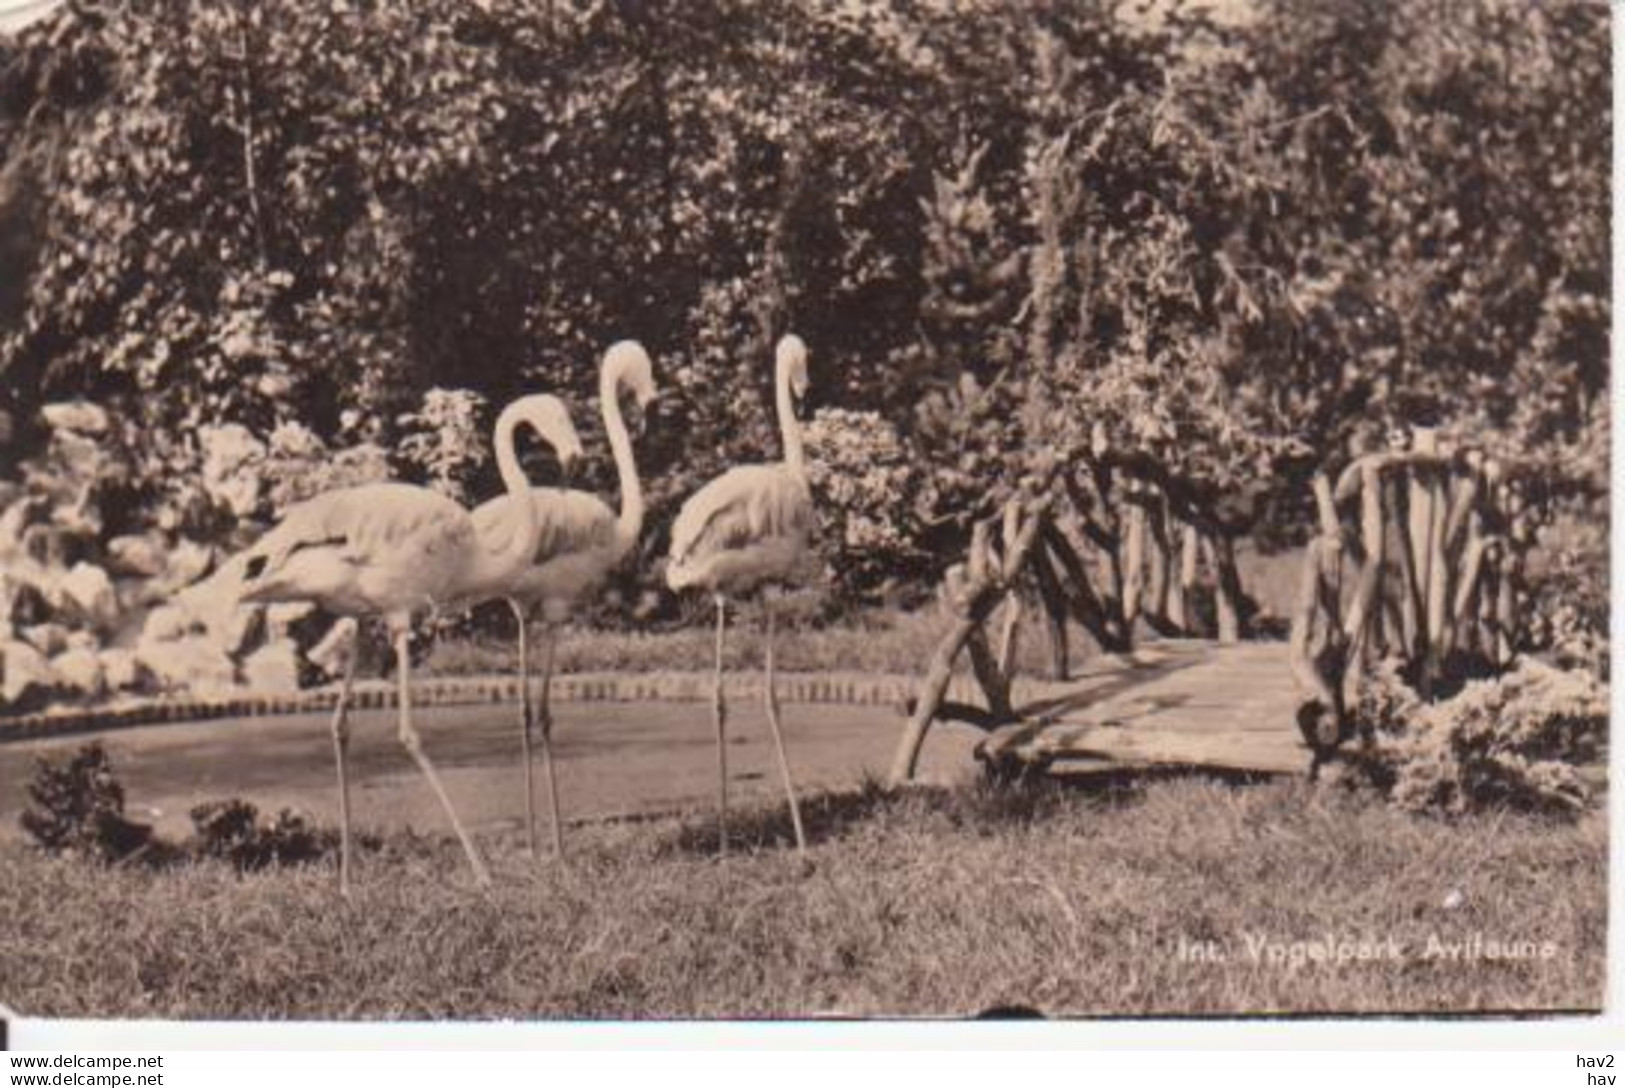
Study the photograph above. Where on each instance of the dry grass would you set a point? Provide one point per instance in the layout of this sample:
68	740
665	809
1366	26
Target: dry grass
925	903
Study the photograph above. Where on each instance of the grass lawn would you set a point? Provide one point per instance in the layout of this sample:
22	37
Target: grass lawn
877	640
1073	902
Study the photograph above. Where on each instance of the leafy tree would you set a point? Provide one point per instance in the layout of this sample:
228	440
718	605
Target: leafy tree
1001	226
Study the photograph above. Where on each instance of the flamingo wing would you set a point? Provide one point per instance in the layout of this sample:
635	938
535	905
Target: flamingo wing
744	505
570	522
567	522
361	524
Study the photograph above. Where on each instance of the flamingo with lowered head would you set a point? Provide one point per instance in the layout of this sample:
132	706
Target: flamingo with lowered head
395	550
579	540
745	530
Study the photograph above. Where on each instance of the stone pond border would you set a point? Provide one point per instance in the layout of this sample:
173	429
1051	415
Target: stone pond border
848	689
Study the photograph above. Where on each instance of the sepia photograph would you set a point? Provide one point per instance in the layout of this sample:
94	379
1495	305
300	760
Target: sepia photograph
804	510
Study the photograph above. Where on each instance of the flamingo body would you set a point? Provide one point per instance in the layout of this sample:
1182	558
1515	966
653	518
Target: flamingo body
374	549
578	540
393	550
747	527
576	545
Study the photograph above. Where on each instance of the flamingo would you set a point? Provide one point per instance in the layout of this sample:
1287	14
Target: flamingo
394	550
579	540
746	529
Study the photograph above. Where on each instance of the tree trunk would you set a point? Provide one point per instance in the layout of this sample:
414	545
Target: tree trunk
1159	556
1441	564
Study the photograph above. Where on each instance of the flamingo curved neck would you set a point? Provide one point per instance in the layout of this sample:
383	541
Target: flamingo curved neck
517	486
513	476
630	522
789	428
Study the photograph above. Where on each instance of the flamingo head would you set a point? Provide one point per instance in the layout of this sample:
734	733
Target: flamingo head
628	364
792	360
549	417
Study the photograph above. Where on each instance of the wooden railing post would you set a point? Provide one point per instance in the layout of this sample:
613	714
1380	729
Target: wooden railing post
1054	601
1325	506
1133	563
973	595
1159	555
1180	593
1408	591
1092	613
1359	624
1010	631
993	679
1226	585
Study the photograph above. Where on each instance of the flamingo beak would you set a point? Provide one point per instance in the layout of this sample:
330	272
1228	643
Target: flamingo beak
640	419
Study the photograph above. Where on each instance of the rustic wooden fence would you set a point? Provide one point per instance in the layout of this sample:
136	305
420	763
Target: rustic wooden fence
1420	558
1110	541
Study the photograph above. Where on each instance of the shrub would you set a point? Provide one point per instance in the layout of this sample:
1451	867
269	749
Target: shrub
79	809
233	460
301	466
865	481
445	440
1517	739
1568	595
232	831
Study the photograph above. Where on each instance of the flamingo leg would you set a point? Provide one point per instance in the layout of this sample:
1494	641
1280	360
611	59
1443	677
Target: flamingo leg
547	743
526	721
414	747
720	709
341	747
772	699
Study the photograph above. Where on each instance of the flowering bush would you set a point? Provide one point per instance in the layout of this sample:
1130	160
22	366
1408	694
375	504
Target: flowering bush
233	467
445	441
1516	739
258	480
299	465
254	479
865	482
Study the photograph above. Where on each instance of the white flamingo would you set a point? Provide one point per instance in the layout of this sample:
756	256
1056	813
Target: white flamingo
579	540
394	550
746	529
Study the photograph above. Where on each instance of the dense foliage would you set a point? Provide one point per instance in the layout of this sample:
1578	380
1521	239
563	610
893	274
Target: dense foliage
358	226
1516	739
